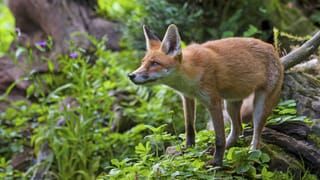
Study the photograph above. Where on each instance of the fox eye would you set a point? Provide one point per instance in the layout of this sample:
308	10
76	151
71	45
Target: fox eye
153	63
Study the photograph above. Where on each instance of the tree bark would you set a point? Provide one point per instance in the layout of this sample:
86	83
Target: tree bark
293	138
302	53
300	86
59	19
305	90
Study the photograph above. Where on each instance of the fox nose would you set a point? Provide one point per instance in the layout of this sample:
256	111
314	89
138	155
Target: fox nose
131	76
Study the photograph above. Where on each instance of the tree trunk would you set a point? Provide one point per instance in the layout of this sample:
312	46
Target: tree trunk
305	90
296	150
59	19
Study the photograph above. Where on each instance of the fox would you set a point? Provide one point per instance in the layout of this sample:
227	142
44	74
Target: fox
229	70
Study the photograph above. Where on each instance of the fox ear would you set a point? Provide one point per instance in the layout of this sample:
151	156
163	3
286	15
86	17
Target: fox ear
151	39
171	41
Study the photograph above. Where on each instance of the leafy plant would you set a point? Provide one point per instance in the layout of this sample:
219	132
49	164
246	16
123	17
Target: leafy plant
7	30
245	162
74	111
7	171
213	19
286	111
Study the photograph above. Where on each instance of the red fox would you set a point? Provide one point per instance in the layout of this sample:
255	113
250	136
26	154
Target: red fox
229	69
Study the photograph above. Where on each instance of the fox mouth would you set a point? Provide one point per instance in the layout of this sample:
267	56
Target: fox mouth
139	80
149	81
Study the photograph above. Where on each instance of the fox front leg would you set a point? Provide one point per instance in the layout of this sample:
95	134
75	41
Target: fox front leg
189	110
215	109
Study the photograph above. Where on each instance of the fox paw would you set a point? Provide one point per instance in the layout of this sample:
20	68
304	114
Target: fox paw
213	162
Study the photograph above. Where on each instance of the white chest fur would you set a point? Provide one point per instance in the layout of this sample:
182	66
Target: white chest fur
187	87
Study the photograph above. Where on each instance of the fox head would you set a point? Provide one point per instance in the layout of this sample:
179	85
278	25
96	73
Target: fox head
161	58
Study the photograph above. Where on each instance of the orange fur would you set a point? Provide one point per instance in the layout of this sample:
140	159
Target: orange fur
229	69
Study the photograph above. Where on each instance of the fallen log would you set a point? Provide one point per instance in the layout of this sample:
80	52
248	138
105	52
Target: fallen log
294	139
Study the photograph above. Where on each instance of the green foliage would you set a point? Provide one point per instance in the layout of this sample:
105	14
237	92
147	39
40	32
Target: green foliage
249	163
74	109
79	96
238	163
212	20
14	123
117	9
286	111
7	171
282	16
149	166
7	30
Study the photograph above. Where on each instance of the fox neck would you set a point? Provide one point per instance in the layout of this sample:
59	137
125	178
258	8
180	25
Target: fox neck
180	83
185	85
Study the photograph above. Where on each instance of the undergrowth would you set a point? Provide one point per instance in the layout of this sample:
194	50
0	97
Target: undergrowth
75	117
77	108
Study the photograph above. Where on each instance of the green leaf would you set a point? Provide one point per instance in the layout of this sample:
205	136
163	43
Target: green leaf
254	155
266	174
288	111
288	103
243	168
138	129
227	34
252	172
237	153
50	66
85	174
230	153
20	121
252	30
30	90
197	164
142	150
116	163
264	158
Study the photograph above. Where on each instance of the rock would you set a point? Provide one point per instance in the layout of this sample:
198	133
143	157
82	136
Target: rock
23	160
305	90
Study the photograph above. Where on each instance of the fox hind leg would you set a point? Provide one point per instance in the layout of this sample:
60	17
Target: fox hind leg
259	118
263	104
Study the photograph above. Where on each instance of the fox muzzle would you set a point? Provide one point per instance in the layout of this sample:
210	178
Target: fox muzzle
141	78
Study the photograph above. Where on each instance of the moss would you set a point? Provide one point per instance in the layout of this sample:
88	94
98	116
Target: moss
315	139
288	19
282	161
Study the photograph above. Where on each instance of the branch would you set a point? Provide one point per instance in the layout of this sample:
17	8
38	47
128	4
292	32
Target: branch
300	54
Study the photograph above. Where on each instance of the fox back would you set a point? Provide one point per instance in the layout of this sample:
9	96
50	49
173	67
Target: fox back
229	69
